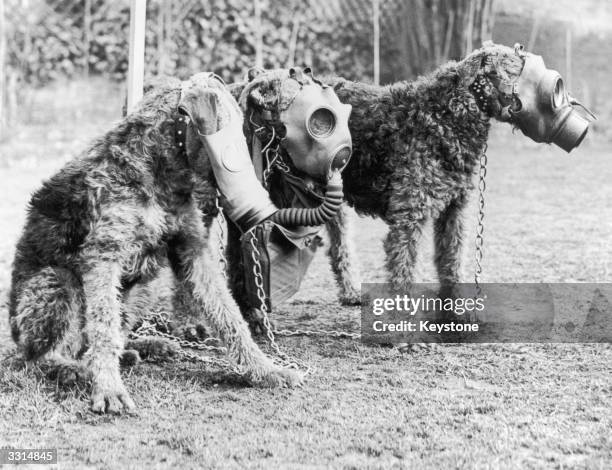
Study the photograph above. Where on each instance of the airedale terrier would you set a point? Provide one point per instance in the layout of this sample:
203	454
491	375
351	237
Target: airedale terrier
417	147
110	220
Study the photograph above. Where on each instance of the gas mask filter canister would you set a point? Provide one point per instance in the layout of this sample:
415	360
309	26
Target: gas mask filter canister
546	111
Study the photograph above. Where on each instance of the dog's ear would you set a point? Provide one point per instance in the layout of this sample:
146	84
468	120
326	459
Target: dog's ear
202	106
469	67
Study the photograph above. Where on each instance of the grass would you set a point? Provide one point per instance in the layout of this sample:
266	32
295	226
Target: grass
548	218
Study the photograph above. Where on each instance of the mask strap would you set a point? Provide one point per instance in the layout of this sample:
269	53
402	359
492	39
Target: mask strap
574	102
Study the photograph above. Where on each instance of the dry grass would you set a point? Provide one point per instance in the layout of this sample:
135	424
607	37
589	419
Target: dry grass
549	218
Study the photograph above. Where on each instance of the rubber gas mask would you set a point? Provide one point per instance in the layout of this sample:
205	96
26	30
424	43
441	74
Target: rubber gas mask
317	137
542	108
244	199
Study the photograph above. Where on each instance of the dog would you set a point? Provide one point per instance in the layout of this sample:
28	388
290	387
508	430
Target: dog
111	220
261	94
417	146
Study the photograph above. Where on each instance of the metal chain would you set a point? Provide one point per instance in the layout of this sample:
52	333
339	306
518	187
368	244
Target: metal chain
281	165
149	328
220	222
482	186
285	359
329	334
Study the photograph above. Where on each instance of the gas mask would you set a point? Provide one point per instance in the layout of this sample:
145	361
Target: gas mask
317	138
244	199
543	110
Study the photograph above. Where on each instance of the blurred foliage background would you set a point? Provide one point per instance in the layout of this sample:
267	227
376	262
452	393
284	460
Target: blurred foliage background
63	61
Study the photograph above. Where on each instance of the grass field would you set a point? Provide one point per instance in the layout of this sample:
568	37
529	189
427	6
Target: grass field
548	218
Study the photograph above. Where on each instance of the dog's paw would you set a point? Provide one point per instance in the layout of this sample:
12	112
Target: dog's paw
129	358
350	297
278	377
109	395
69	375
154	349
255	319
197	332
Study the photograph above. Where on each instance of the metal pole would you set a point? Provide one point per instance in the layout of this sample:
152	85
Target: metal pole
376	21
258	36
3	68
138	17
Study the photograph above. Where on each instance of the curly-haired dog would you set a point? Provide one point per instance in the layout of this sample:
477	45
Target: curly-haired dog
416	148
108	221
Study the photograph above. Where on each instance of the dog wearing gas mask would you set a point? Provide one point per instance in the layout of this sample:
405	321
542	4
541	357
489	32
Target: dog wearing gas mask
111	219
299	140
417	146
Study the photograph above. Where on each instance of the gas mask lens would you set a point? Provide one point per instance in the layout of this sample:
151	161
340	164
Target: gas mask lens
558	96
321	123
341	158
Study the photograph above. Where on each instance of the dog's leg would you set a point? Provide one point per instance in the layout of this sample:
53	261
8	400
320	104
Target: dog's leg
342	257
448	239
237	281
235	267
401	248
101	283
201	273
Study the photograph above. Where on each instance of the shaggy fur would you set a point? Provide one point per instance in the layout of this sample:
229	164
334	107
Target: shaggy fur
416	147
111	220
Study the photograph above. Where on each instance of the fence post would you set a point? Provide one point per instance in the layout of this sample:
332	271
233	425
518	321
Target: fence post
376	21
138	17
3	70
258	35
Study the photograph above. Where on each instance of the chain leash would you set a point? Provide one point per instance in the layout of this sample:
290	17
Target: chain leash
221	223
150	328
283	358
482	186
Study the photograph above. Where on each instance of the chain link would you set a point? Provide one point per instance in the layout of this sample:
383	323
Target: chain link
482	186
284	359
325	333
151	328
221	223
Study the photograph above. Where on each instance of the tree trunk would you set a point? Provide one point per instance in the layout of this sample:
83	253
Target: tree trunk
431	32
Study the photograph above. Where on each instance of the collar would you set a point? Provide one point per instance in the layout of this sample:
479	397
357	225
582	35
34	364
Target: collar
180	133
481	89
